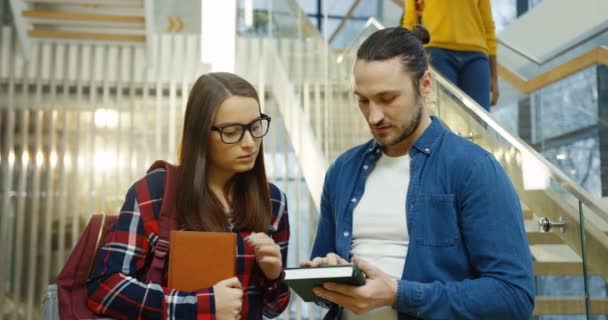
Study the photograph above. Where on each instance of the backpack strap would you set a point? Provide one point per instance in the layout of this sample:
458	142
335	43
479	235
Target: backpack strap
167	221
274	225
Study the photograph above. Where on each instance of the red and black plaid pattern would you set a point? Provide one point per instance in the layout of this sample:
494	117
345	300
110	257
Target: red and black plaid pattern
115	288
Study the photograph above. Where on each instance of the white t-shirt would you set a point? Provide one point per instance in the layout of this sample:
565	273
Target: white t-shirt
380	234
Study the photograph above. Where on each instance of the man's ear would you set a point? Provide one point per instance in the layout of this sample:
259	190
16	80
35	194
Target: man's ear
426	83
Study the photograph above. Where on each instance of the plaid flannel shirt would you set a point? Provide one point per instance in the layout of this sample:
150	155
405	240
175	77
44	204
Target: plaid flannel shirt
115	287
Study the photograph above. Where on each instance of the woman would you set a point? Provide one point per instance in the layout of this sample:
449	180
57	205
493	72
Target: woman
462	43
221	186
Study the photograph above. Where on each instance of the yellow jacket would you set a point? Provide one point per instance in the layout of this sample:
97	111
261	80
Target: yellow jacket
461	25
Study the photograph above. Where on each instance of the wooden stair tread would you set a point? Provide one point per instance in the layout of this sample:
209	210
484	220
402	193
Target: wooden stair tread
554	253
99	3
558	268
549	305
538	237
82	16
37	33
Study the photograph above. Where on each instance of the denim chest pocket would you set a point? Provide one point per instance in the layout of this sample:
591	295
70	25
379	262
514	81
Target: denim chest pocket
435	223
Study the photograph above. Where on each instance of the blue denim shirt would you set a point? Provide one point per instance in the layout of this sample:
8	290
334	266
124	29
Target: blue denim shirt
468	256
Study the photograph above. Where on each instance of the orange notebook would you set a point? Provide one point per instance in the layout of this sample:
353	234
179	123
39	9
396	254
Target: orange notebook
199	260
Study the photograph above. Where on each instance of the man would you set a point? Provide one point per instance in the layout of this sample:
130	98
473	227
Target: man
430	218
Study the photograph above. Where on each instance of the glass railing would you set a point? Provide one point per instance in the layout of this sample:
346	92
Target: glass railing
557	106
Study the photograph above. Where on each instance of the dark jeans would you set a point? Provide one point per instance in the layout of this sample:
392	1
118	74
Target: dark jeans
469	70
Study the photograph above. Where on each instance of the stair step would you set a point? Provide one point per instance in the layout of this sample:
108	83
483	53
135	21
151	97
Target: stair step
538	237
555	259
37	33
546	305
560	268
59	15
97	3
554	253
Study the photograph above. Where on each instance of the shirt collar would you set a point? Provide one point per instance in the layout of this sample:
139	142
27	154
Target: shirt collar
429	138
425	144
373	146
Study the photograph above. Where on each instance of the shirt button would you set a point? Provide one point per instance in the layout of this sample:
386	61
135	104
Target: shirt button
353	200
346	233
365	167
427	150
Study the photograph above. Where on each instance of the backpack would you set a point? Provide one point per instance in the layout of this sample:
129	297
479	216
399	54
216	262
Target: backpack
67	297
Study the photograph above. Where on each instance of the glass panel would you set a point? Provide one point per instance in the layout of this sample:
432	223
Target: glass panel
61	159
560	121
391	14
595	241
349	31
364	9
504	13
566	106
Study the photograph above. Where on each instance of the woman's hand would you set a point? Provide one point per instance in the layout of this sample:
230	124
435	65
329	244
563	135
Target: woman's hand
267	254
494	80
228	299
330	259
495	92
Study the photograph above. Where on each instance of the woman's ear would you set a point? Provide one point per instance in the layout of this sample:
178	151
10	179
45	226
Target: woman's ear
426	83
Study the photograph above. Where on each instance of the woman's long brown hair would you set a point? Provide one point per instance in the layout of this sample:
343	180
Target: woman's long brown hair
198	208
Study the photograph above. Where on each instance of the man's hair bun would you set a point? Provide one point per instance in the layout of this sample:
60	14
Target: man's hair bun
421	33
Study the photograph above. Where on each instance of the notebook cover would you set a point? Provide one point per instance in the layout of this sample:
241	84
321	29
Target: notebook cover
304	285
199	260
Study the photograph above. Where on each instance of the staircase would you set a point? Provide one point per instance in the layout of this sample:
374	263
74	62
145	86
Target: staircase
553	259
93	21
331	113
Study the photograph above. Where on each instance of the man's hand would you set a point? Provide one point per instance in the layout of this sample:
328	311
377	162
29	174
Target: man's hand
267	254
228	299
330	259
379	290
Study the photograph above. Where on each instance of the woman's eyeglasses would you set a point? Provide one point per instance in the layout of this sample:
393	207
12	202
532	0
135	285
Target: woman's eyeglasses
233	133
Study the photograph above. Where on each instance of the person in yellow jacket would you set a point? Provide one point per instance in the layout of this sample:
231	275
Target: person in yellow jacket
462	45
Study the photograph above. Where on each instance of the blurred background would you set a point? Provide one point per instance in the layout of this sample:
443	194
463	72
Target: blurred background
93	91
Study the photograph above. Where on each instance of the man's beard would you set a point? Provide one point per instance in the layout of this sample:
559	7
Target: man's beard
411	126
